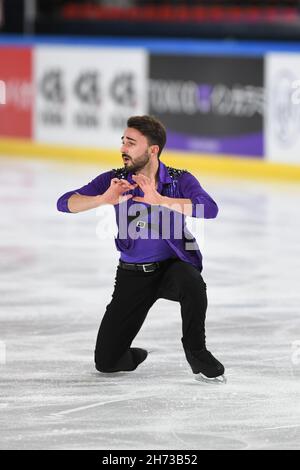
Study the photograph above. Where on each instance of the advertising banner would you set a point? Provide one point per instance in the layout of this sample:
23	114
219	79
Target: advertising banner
209	104
2	92
85	95
282	128
16	92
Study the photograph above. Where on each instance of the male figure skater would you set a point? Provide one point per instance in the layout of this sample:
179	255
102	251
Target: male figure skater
156	259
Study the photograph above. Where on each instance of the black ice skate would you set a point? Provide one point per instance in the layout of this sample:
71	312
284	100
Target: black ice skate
205	366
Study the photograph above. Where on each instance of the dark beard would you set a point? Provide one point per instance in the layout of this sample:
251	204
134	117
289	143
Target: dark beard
134	167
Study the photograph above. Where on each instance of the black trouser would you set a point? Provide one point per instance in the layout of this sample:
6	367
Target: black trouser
134	294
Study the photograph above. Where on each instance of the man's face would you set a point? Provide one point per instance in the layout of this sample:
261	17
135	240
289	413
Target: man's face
135	150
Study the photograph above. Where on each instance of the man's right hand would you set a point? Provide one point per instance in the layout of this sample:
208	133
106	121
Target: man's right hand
113	195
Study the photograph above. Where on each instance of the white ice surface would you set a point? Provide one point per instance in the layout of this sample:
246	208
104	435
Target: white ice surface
56	277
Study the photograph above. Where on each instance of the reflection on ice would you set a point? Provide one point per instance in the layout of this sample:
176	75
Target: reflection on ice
56	277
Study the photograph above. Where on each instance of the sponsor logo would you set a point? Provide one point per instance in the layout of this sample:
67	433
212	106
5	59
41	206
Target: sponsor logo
53	93
123	90
123	93
285	111
87	92
87	88
2	92
17	93
85	98
189	97
52	87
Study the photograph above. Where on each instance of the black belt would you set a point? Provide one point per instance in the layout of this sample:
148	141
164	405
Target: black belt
146	268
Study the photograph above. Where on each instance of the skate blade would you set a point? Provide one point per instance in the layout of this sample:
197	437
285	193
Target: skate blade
215	380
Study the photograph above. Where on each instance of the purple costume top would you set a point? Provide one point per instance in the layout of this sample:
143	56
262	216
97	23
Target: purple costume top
153	233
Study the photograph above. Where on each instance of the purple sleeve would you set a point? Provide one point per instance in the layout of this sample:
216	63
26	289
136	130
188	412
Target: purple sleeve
95	187
190	188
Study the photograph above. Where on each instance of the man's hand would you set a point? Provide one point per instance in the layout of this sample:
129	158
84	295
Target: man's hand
151	196
114	194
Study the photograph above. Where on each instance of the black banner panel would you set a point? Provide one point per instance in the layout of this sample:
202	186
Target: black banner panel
209	104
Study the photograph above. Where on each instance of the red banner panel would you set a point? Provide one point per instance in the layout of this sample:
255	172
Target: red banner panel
16	73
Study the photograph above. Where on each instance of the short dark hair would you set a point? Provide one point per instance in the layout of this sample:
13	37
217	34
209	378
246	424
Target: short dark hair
151	128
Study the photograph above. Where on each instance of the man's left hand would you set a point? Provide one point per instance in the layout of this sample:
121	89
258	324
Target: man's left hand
151	195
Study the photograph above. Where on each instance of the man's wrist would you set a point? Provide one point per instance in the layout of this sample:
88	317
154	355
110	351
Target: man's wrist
163	200
100	200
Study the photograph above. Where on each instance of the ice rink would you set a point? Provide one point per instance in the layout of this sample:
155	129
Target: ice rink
56	277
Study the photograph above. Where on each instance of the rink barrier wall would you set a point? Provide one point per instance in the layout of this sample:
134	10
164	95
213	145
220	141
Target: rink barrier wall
27	60
227	166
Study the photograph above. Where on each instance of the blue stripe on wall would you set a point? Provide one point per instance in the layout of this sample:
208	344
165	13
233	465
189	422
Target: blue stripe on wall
163	46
